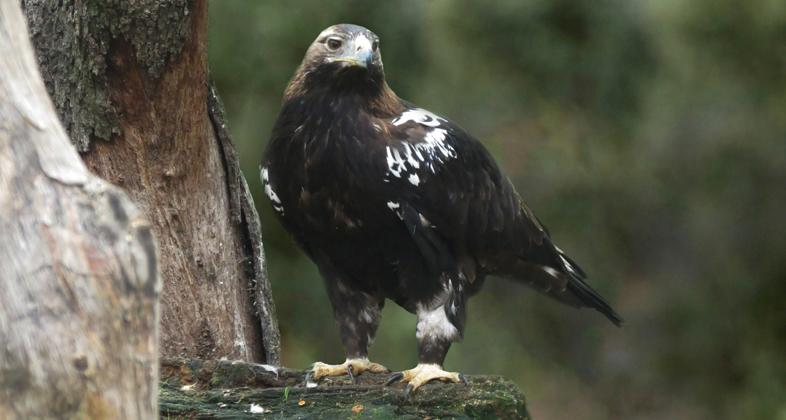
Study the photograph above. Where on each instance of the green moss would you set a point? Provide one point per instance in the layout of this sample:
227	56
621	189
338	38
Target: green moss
226	389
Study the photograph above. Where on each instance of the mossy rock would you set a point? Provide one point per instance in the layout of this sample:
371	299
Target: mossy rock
236	390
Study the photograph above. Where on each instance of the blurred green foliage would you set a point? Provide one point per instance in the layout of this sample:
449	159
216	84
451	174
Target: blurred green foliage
649	135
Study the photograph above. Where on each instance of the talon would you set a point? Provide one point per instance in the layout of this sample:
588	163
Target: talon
463	379
394	378
351	374
423	374
408	390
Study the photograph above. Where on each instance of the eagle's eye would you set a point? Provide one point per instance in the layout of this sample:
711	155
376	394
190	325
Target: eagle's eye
334	43
375	45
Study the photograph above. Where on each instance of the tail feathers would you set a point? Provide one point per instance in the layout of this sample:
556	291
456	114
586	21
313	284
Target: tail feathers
586	294
592	299
565	283
568	264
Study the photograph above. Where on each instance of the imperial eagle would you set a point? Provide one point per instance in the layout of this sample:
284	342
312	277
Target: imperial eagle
392	201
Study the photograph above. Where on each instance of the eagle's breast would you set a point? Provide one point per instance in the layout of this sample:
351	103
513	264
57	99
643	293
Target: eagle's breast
322	174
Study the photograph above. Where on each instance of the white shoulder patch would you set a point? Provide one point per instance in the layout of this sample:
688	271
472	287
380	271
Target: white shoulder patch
428	154
420	116
405	159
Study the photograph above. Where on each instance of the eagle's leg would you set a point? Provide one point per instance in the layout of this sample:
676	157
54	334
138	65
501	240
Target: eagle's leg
437	329
357	315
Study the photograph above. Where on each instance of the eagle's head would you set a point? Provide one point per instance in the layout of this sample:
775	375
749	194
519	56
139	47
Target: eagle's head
343	56
345	46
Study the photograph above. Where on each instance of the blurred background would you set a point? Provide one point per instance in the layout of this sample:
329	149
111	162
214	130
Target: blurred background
648	135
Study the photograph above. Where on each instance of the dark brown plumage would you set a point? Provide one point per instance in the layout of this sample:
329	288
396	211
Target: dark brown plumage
394	202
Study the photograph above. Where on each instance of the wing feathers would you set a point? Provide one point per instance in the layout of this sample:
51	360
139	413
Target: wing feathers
434	249
475	209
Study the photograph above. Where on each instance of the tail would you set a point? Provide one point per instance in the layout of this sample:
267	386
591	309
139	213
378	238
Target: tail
553	273
586	294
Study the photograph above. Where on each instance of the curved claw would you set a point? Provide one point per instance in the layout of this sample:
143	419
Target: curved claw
424	373
408	390
394	378
463	379
308	378
351	373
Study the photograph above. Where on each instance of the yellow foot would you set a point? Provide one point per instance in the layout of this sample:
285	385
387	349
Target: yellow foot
424	373
351	367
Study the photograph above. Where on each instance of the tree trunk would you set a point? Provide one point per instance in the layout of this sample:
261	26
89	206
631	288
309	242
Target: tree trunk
129	80
78	279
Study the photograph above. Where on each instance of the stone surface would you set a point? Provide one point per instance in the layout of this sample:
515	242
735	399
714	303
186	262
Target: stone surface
225	389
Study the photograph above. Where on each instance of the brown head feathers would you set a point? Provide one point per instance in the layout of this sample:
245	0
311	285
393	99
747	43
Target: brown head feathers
344	61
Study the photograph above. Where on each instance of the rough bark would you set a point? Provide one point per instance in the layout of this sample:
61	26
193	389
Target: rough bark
78	277
225	389
130	81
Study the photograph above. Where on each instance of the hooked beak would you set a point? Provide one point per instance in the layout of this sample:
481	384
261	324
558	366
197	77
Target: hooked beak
358	54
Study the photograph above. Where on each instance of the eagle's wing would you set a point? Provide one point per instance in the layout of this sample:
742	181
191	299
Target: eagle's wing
441	181
454	200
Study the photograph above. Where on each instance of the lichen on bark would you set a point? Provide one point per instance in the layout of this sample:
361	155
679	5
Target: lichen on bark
136	72
79	283
73	39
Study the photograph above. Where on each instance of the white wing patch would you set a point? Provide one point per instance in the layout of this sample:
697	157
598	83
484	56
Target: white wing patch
436	148
277	206
428	154
396	165
420	116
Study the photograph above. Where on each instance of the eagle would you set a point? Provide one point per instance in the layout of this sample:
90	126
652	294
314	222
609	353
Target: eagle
392	201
